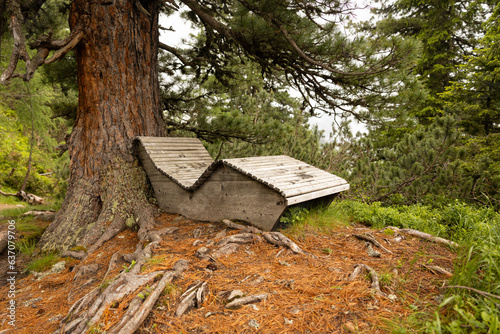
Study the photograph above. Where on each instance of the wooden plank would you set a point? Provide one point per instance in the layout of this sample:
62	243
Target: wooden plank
298	176
316	194
284	185
203	160
253	166
174	146
281	171
168	140
249	162
316	187
165	153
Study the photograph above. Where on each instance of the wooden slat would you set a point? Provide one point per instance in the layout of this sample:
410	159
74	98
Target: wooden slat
250	162
168	140
285	185
173	146
167	154
281	171
294	176
307	189
202	160
269	168
316	194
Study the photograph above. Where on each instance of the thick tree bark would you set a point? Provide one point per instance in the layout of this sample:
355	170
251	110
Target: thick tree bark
118	100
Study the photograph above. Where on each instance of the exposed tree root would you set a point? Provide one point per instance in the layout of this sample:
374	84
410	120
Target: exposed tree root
358	268
274	238
374	241
422	235
193	297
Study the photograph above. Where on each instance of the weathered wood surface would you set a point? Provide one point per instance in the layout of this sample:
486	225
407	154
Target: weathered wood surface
186	180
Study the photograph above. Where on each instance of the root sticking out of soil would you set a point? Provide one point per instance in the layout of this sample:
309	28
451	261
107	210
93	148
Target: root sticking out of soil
238	280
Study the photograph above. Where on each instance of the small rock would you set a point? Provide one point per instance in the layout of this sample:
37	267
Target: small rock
294	311
253	323
288	321
197	242
392	297
253	307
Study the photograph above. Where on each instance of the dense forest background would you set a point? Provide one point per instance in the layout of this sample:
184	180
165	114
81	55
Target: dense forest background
437	142
432	147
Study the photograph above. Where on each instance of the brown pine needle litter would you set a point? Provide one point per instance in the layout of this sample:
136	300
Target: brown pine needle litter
305	294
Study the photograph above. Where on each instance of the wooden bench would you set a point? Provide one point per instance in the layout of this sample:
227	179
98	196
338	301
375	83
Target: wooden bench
257	190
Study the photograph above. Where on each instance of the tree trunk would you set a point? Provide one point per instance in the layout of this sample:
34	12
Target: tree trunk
118	100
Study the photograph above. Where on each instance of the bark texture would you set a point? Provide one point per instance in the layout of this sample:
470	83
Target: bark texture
118	100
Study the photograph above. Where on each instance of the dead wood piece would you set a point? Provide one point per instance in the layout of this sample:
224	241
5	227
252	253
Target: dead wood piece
358	268
242	238
230	295
482	293
193	297
246	300
437	269
242	228
37	212
371	251
225	250
374	241
425	236
30	198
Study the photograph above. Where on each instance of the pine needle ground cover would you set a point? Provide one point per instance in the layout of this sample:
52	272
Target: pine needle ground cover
308	292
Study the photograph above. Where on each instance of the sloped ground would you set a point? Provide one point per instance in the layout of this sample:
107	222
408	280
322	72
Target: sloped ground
304	294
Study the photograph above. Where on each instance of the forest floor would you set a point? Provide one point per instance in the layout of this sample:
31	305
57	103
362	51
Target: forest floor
305	294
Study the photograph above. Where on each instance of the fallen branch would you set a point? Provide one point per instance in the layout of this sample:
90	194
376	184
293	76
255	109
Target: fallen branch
193	297
425	236
23	196
374	241
246	300
482	293
437	269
